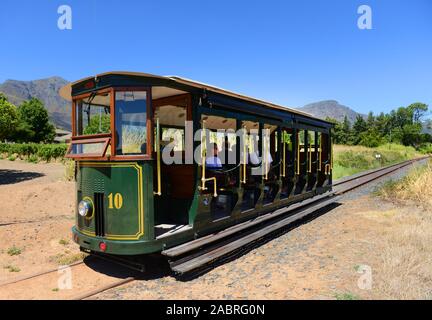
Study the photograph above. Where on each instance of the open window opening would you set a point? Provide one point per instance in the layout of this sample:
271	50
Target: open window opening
288	164
221	164
252	184
302	157
272	163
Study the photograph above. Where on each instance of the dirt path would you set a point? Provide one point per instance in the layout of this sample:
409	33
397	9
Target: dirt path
318	260
330	257
36	194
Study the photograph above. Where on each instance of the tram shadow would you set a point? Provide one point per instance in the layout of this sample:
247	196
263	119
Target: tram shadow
256	244
9	176
148	267
156	266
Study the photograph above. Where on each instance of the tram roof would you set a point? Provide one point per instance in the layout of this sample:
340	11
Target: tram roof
201	85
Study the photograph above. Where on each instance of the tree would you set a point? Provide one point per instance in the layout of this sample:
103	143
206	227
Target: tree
403	125
341	132
347	136
8	118
35	126
418	110
370	120
359	126
98	124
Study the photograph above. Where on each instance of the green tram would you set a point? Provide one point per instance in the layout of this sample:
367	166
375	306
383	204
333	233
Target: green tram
139	189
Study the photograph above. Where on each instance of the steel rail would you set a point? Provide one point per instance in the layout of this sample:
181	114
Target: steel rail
190	256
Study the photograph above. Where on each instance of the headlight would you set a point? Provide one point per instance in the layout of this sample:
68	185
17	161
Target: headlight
85	208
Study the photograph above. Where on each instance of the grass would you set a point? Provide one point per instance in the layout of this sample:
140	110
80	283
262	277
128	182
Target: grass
349	160
12	158
346	296
32	158
64	242
69	174
65	259
14	251
407	253
414	187
12	268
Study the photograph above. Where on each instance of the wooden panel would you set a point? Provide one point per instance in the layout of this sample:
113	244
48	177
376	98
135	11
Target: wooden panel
181	179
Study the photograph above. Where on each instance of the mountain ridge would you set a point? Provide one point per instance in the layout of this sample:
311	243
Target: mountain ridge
332	109
47	90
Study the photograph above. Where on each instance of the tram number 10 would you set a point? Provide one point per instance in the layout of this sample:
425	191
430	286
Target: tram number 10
115	201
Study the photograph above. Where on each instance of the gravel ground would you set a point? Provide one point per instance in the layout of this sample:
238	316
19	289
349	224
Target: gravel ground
317	260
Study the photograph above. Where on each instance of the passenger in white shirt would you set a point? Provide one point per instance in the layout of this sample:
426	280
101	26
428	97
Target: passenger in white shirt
213	161
255	160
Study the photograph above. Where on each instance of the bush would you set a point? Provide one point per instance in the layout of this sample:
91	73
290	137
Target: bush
426	148
349	160
69	170
33	158
34	151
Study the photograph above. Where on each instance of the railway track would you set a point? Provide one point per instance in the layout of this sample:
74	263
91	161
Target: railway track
54	218
205	251
87	278
189	260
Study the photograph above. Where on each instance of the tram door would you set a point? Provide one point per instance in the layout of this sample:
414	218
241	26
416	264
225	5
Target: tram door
177	178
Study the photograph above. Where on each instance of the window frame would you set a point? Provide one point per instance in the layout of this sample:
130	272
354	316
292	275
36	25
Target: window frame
74	105
100	155
111	137
149	125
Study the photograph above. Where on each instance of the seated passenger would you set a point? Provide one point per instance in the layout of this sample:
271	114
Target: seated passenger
213	161
228	155
255	159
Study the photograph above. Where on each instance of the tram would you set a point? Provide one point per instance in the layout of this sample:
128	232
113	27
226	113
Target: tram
141	145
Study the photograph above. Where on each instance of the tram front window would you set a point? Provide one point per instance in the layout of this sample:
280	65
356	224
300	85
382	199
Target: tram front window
130	122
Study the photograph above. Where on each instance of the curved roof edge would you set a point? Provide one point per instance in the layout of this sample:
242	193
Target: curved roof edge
201	85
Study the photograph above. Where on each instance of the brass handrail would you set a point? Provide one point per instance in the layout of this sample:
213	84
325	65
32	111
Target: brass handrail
320	153
203	157
298	154
158	159
265	158
283	174
331	154
243	179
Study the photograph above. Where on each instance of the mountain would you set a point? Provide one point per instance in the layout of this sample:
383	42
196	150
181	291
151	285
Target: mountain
46	90
332	109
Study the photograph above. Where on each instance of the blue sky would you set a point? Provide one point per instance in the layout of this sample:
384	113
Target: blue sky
288	52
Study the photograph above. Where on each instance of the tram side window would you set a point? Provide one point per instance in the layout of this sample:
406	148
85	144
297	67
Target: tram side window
130	122
311	140
174	136
221	134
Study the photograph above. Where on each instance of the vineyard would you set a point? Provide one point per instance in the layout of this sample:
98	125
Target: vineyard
32	152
